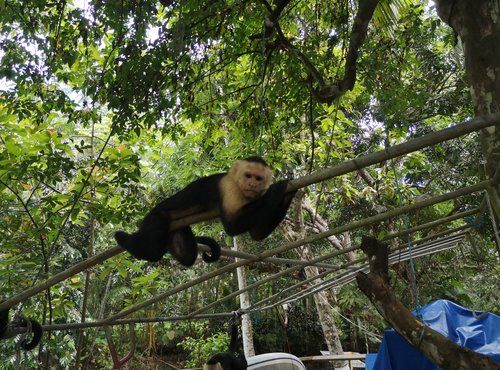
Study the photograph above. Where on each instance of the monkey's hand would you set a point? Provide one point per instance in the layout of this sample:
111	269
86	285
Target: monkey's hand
276	195
275	203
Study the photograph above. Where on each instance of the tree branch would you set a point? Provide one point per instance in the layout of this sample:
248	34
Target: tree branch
436	347
327	93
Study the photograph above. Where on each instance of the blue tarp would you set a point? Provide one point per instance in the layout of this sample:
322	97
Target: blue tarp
475	330
370	361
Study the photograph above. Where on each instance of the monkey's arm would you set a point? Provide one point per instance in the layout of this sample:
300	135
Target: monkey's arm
274	212
261	216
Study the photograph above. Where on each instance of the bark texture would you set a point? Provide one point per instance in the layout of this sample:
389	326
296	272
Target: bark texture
477	23
323	298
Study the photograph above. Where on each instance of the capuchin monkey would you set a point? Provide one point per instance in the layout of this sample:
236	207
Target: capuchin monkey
244	197
9	331
227	360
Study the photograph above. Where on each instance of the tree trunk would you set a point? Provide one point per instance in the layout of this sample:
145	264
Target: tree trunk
477	23
436	347
246	323
326	314
323	298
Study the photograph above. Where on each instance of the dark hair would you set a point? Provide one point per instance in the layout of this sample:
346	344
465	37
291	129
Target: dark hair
257	159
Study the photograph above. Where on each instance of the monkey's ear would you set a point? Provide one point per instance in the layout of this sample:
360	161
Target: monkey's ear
183	246
233	171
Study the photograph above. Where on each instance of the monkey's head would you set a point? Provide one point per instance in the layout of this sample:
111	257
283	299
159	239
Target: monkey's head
252	175
213	366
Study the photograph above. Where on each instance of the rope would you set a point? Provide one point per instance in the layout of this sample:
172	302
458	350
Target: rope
375	337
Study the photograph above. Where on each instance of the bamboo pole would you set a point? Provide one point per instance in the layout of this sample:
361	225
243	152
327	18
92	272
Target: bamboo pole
191	316
324	284
194	316
432	224
332	268
113	251
133	320
79	267
361	260
412	145
346	265
398	150
341	229
274	260
309	239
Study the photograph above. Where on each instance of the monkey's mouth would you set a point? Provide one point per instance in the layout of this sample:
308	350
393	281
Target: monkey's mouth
251	193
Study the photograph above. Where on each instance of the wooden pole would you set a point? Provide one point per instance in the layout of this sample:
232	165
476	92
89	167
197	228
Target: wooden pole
116	250
339	230
133	320
79	267
313	289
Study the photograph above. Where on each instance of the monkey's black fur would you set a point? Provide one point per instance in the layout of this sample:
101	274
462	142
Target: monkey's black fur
228	360
4	320
36	329
258	217
213	245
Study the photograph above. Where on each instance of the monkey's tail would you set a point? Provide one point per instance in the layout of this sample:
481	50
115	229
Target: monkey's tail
36	328
214	248
233	332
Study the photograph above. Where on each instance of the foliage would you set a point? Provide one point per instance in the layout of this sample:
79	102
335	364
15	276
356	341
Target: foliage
106	107
301	335
201	349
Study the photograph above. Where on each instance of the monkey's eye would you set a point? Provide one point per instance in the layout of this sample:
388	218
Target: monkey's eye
250	175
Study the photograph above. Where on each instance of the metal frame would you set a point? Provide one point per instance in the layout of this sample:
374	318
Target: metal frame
268	256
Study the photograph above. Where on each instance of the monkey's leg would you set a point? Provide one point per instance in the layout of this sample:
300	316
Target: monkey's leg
183	246
149	242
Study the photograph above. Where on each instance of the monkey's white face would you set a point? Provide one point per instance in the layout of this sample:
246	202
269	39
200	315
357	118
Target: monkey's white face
253	179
